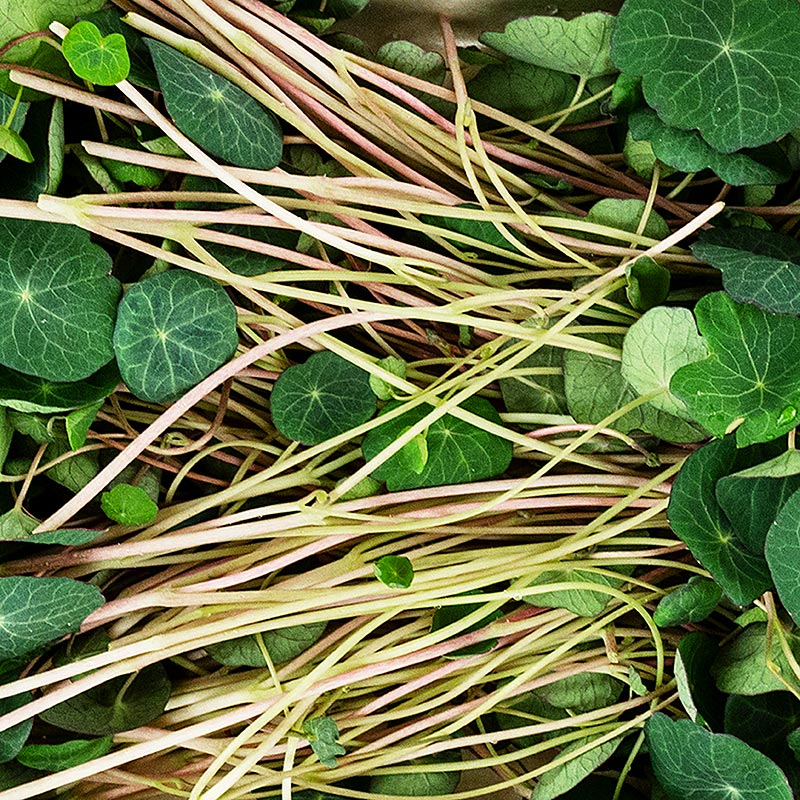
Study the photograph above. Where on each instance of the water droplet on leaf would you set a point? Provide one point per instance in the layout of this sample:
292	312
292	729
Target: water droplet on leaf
787	415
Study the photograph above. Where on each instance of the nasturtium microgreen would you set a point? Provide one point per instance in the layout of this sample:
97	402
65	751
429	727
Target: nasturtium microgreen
697	519
690	602
75	472
690	761
325	396
13	114
697	691
413	60
764	722
481	230
214	113
758	266
626	215
15	524
449	615
421	783
542	391
118	705
57	300
282	645
579	46
249	262
13	739
750	378
648	283
55	757
12	143
783	554
37	611
323	736
381	388
582	692
655	346
396	572
78	422
96	58
636	685
727	68
583	601
172	331
128	505
458	452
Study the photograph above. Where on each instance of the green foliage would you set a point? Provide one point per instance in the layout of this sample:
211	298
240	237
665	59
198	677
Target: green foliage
482	231
541	392
128	505
214	113
13	739
690	602
249	262
118	705
37	611
696	688
458	452
321	398
382	389
582	692
425	782
172	331
323	736
282	645
396	572
783	554
584	602
750	375
56	757
727	68
13	144
100	59
579	46
79	422
626	215
689	761
450	614
57	299
413	60
648	283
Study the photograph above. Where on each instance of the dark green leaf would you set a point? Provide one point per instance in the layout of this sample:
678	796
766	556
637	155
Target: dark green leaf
57	757
413	60
542	391
36	611
74	472
120	704
582	692
625	215
423	783
172	331
322	398
282	644
249	262
763	721
214	113
783	554
395	571
458	452
100	59
648	283
57	300
581	601
66	536
689	761
691	602
13	739
761	267
697	519
128	505
323	736
751	376
696	688
725	67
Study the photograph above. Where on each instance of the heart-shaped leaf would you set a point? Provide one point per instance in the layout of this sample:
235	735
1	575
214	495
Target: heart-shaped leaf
57	300
725	67
172	331
100	59
760	267
458	452
214	113
752	377
322	398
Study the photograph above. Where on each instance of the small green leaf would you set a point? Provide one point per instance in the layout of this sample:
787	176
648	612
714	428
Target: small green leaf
57	757
580	46
413	456
57	300
480	230
36	611
100	59
67	536
13	739
13	144
214	113
323	735
728	69
128	505
581	601
118	705
172	331
582	692
626	215
425	782
648	283
74	472
689	761
395	571
282	645
78	423
635	682
657	345
541	391
413	60
760	267
382	389
321	398
694	601
751	374
16	524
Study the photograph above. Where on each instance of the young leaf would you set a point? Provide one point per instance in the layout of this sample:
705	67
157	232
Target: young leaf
655	346
698	694
172	331
728	69
36	611
763	721
13	739
691	602
57	757
13	144
100	59
16	524
57	300
689	761
413	60
214	113
760	267
581	601
73	473
249	262
482	230
118	705
751	377
128	505
582	692
783	551
636	683
579	46
282	644
9	144
78	423
541	392
382	389
394	571
625	215
648	283
323	735
68	536
321	398
697	519
458	452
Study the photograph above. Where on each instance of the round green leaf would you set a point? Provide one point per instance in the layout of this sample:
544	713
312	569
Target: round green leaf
541	391
128	505
172	331
395	571
214	113
100	59
325	396
57	300
725	67
425	782
689	761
